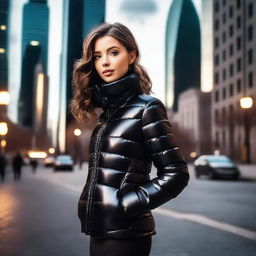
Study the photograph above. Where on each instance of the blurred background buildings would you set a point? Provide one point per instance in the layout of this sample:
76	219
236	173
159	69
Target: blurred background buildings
35	31
233	126
200	55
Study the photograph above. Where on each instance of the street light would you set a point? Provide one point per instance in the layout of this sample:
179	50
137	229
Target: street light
3	132
51	150
4	98
4	101
3	144
77	133
3	128
246	104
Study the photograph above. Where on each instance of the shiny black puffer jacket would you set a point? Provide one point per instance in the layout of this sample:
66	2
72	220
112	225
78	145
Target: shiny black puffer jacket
133	131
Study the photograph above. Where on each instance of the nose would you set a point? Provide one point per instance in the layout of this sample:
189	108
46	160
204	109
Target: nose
105	61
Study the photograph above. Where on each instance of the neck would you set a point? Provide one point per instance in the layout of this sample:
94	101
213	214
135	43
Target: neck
114	93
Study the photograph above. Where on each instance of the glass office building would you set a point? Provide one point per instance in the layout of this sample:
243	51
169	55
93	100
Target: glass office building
182	50
4	10
35	28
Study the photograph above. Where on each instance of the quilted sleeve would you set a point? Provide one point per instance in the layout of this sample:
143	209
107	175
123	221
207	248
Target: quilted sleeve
172	172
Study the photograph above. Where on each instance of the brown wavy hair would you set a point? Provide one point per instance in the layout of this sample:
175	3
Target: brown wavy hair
85	75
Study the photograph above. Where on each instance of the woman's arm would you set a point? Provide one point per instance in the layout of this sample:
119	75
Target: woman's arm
172	171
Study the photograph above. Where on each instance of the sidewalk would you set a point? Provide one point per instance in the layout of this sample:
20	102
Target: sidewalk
248	171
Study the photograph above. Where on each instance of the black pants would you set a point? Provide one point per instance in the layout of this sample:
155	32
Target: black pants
120	247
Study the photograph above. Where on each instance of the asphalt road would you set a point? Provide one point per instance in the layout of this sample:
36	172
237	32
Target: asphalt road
38	217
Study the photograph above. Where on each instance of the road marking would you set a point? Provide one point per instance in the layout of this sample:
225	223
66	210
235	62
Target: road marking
197	218
208	222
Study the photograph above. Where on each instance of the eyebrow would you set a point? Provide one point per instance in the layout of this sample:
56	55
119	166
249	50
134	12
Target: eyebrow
110	48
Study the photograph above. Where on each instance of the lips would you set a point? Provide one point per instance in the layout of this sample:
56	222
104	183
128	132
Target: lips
108	72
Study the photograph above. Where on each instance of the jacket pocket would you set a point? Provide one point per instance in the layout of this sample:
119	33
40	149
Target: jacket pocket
132	204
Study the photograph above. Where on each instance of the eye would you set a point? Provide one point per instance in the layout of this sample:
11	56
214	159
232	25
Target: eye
96	57
114	53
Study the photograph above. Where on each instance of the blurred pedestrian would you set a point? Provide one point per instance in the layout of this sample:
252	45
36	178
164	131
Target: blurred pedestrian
17	163
3	163
132	131
34	164
80	164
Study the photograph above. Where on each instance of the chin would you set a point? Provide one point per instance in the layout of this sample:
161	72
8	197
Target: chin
109	79
113	78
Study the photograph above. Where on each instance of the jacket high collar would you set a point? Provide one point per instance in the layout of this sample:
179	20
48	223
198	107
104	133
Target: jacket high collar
111	94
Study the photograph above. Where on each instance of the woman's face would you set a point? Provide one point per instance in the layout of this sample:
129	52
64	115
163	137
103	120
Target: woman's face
111	58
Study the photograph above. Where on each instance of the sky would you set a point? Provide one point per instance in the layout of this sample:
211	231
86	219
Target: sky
146	23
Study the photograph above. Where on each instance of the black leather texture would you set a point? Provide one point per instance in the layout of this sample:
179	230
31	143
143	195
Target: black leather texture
132	133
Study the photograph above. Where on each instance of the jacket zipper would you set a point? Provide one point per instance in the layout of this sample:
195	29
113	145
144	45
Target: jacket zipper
94	175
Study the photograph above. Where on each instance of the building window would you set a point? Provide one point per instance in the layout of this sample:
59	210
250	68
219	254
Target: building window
238	64
216	59
231	118
230	11
216	41
250	79
231	31
223	118
231	90
224	93
216	25
216	78
238	22
231	70
217	140
224	139
238	85
250	56
231	50
224	55
250	10
224	18
217	6
238	4
250	33
216	96
216	117
224	74
224	37
238	43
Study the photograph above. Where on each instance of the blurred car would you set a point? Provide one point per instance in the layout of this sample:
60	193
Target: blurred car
49	161
216	166
63	162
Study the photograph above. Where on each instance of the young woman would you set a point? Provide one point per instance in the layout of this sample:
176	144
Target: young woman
132	132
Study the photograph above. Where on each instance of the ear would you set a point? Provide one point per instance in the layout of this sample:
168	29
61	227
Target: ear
132	56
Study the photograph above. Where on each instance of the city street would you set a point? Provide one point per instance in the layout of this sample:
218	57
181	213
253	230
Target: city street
38	217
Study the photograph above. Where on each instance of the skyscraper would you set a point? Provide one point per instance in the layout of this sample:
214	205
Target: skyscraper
93	14
4	10
34	50
182	50
29	61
